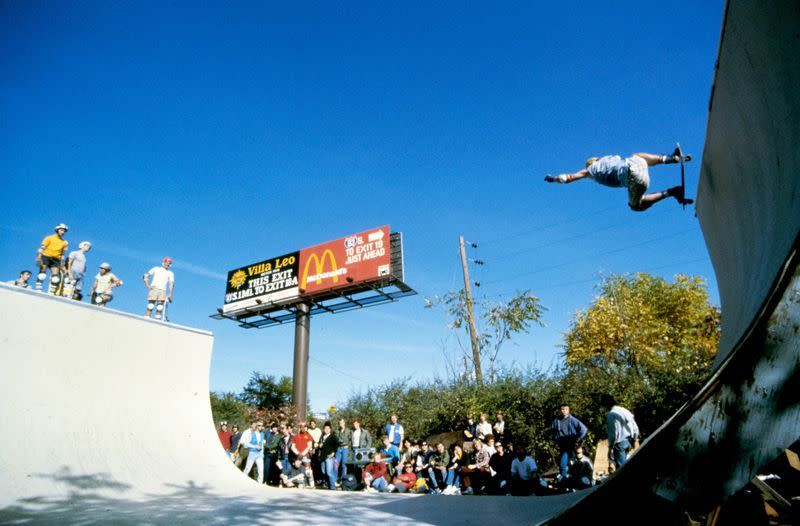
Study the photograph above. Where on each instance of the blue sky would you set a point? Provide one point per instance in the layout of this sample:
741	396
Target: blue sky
223	136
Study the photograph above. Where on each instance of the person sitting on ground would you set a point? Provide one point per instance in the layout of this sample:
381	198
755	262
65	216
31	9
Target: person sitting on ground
390	451
453	477
473	476
440	460
423	462
483	428
581	471
500	464
297	476
375	475
524	474
488	444
631	173
404	481
22	280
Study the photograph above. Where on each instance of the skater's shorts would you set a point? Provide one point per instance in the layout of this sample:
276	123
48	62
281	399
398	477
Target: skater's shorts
49	262
77	280
638	179
157	295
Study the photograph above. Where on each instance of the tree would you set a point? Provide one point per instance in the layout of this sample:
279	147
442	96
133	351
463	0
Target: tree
226	407
266	392
648	342
641	321
501	321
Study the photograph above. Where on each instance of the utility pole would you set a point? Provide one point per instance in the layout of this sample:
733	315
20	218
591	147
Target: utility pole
476	355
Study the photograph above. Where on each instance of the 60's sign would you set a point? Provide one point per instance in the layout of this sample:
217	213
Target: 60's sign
311	271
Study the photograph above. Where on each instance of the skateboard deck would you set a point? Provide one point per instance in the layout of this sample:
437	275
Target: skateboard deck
685	200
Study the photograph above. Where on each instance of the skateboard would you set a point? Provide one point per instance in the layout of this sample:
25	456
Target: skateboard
683	158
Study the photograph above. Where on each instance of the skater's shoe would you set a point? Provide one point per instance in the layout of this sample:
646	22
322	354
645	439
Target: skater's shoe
678	194
675	157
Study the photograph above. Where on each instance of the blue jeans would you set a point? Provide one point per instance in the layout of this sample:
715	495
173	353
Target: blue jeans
267	464
563	462
380	484
329	470
342	455
619	454
452	478
285	464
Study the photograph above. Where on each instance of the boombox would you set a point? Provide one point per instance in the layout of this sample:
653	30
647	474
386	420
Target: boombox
363	454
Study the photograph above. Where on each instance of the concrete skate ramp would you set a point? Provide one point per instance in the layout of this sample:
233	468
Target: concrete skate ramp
106	418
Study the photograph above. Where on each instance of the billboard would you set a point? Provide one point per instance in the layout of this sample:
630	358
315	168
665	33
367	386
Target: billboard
310	272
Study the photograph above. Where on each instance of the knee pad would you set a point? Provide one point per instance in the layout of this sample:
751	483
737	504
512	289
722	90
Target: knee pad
159	307
55	279
40	276
150	305
98	299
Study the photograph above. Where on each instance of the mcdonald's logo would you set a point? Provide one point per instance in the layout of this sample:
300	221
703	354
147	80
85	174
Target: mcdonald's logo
319	268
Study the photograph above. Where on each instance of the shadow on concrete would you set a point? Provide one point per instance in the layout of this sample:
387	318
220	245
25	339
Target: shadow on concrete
97	498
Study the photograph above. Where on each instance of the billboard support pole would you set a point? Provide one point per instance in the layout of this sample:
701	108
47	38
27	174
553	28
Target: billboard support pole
302	326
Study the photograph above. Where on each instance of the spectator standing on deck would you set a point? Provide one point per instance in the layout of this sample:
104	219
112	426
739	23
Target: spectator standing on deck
567	431
76	267
50	255
622	430
160	282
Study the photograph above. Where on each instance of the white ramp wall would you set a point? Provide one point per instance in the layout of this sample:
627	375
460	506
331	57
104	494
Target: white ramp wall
89	392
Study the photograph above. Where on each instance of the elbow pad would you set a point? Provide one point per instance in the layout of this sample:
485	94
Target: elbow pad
562	178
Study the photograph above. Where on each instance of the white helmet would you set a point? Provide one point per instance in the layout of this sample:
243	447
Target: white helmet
105	266
60	226
84	244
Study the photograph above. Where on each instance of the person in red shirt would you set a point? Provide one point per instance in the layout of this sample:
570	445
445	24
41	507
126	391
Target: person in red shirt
404	481
375	475
302	444
225	437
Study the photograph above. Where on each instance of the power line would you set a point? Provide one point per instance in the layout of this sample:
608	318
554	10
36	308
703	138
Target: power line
337	370
578	282
601	253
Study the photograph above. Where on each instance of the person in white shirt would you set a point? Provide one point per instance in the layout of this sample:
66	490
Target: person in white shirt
623	431
253	440
162	278
524	474
483	428
104	283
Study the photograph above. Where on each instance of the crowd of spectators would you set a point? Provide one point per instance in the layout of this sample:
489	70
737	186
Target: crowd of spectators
483	460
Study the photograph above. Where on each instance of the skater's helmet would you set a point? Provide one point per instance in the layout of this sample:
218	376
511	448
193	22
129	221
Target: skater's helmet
167	260
590	161
85	244
61	226
105	266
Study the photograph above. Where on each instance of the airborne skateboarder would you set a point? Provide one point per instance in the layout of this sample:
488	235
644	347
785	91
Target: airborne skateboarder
631	173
